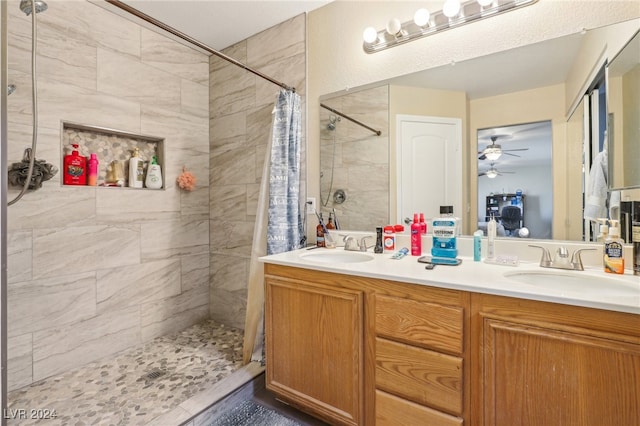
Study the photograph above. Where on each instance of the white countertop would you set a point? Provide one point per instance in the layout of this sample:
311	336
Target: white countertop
600	290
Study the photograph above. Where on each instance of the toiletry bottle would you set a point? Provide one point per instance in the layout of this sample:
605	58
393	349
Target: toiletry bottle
604	230
477	245
319	233
154	175
445	232
491	238
330	224
93	170
614	250
389	240
416	237
379	247
75	168
423	225
136	170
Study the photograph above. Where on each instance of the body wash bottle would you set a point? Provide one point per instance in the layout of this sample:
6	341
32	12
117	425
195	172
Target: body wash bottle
136	170
154	175
93	170
75	168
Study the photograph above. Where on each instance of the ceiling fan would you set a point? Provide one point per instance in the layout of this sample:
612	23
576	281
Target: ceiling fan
493	172
494	151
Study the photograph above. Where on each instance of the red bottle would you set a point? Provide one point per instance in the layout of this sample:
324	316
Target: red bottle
75	168
423	225
416	237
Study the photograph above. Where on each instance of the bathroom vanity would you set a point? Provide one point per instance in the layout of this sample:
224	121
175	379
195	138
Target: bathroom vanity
386	342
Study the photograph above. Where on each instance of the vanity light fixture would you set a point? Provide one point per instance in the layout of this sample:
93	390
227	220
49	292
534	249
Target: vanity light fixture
454	13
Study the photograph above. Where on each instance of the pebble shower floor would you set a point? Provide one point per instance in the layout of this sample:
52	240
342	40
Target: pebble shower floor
135	386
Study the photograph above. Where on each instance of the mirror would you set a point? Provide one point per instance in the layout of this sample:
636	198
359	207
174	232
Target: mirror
542	82
623	105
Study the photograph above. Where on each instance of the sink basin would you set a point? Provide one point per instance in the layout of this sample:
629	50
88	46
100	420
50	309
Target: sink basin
576	282
337	256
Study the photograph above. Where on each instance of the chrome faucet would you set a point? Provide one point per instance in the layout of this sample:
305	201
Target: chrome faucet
351	243
561	258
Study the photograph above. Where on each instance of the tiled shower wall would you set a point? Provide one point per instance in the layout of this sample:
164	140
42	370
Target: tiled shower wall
240	105
93	271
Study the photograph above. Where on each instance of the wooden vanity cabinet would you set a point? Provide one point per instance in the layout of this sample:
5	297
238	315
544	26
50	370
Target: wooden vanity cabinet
538	363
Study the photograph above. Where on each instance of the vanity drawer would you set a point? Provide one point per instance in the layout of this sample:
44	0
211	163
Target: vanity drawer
392	411
420	375
425	324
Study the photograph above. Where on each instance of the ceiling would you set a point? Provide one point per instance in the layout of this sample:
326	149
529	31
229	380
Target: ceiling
222	23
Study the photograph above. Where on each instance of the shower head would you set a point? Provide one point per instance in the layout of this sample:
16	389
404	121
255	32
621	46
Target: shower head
333	119
10	89
25	6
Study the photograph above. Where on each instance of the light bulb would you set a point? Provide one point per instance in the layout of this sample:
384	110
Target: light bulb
484	3
421	17
451	8
370	35
492	173
394	26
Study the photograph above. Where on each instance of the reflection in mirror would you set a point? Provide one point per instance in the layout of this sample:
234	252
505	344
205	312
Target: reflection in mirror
623	79
515	183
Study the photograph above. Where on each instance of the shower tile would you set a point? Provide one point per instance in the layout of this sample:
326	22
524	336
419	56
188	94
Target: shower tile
48	148
115	205
259	125
57	251
194	99
137	284
228	202
270	45
373	178
230	90
228	131
163	240
120	76
53	206
19	256
228	296
19	361
232	166
41	304
175	58
290	71
195	271
253	196
231	237
175	313
62	348
196	201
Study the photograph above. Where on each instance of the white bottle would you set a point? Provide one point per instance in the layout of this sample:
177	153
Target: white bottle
136	170
154	175
491	239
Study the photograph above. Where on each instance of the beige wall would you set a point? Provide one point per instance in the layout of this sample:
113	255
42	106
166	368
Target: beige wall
93	271
337	61
240	106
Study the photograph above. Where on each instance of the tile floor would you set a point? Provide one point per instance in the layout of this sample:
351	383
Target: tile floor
136	386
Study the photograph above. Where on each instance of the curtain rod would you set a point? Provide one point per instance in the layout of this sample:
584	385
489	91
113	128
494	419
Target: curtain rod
153	21
377	132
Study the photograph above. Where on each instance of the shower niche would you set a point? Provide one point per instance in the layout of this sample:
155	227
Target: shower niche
113	149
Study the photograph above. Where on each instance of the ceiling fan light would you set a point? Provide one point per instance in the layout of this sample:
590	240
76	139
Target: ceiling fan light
493	152
492	173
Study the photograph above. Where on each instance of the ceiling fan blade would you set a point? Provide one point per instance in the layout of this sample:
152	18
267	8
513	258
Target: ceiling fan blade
482	174
508	153
516	149
482	157
511	173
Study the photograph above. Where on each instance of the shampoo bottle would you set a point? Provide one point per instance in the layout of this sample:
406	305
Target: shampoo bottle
416	237
154	175
75	168
93	170
614	250
136	170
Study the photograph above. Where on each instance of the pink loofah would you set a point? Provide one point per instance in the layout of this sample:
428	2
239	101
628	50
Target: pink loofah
186	180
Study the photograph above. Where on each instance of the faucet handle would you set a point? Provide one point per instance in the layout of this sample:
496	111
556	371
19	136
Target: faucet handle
576	259
546	258
363	243
562	252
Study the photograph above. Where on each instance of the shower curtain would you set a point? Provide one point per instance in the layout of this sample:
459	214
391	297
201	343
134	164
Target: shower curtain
279	220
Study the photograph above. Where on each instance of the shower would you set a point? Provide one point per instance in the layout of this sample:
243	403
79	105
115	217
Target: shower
331	126
332	122
28	6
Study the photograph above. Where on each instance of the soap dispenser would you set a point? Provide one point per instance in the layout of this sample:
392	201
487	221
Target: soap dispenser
75	168
154	175
614	250
136	169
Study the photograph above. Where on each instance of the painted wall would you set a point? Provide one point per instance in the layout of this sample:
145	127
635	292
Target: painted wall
93	271
240	106
337	61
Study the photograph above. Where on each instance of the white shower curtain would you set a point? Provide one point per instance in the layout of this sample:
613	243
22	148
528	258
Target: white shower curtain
279	219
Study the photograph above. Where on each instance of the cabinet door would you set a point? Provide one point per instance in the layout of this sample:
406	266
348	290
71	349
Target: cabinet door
314	348
538	376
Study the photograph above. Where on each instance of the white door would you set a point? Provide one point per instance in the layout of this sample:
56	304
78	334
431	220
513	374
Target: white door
429	165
